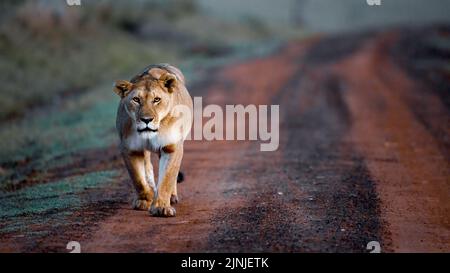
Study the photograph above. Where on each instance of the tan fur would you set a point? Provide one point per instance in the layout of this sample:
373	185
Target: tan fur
147	125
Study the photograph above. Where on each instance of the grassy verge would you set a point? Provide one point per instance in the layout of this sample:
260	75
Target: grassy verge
39	211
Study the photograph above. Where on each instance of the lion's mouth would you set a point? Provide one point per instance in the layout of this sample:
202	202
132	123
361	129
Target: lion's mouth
146	129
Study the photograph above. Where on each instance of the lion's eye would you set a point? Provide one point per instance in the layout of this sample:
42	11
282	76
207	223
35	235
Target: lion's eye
136	99
156	100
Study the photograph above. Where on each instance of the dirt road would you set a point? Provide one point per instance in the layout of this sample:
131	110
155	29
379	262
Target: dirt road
363	156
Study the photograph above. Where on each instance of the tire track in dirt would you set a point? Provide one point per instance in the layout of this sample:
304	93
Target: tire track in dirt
414	185
313	194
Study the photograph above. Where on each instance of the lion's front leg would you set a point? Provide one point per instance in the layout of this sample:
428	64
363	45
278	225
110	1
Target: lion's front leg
136	168
169	166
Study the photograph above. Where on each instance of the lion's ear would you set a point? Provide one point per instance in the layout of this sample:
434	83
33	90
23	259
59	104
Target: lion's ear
122	88
169	81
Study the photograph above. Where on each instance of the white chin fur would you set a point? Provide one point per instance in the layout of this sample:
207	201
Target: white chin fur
151	140
147	134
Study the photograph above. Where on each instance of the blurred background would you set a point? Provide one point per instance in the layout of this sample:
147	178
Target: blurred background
58	62
52	49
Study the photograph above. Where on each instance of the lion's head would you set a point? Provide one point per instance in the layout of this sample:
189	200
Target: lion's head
148	98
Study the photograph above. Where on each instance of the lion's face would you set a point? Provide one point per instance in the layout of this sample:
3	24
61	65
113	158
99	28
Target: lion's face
148	107
148	101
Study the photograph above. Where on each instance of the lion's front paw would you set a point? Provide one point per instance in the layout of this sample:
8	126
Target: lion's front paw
163	211
141	204
173	199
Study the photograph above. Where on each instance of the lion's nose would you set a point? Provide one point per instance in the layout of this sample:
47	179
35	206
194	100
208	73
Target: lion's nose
146	119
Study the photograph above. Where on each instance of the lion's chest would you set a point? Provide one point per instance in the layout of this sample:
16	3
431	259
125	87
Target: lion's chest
151	140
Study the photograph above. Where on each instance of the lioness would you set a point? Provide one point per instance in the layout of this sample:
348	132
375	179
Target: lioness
154	115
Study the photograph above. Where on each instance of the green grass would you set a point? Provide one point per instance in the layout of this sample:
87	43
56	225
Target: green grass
86	122
44	58
38	73
55	196
50	203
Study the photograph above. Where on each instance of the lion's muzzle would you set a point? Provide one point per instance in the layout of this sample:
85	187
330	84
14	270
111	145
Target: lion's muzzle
147	129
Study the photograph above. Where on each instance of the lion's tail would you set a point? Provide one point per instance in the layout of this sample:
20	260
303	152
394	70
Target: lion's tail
180	177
